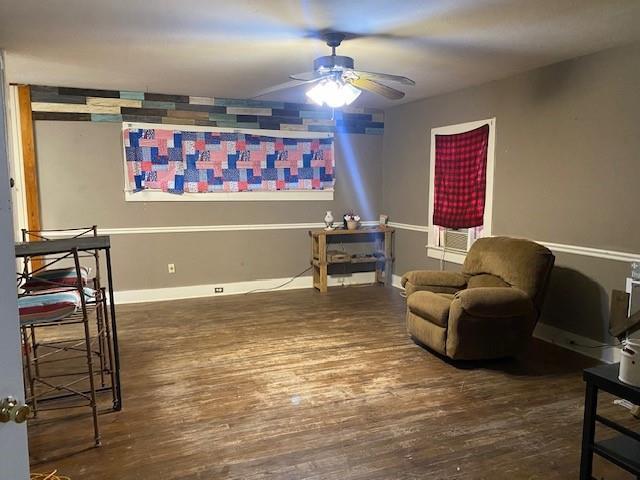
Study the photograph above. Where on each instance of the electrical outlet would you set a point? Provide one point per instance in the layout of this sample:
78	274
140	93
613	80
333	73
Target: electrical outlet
218	290
171	267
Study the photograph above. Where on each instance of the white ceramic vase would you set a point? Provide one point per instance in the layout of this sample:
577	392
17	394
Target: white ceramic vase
328	220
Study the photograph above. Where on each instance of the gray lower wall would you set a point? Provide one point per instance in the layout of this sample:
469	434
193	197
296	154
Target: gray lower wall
567	170
80	169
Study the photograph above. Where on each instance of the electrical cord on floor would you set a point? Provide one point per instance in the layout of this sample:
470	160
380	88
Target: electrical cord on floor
603	345
281	285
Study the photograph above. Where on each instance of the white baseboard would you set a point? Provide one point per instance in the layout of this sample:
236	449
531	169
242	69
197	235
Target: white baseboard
235	288
547	333
577	343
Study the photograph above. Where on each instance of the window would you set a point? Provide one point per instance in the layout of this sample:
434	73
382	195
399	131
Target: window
470	218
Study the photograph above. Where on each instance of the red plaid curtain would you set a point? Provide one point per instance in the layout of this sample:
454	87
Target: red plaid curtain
460	178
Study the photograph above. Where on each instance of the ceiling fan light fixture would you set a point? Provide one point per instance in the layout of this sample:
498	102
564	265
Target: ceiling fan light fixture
333	93
350	93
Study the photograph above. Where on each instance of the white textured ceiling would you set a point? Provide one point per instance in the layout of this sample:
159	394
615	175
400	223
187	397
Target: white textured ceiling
235	48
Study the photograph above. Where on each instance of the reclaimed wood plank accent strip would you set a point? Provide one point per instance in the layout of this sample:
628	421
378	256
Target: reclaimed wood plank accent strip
105	117
179	121
206	123
200	108
88	92
62	116
132	95
319	121
81	104
278	119
47	97
156	104
148	112
263	112
194	115
114	102
293	126
161	97
222	117
72	108
201	100
142	118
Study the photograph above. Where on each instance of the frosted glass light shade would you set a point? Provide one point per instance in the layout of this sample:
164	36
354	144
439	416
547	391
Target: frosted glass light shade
333	93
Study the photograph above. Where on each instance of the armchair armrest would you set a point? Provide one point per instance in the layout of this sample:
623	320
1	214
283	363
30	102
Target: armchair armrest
433	281
495	302
434	278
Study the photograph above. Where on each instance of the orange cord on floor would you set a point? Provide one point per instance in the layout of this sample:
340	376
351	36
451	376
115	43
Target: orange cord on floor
48	476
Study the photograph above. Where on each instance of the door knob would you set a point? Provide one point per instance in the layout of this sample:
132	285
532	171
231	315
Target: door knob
12	411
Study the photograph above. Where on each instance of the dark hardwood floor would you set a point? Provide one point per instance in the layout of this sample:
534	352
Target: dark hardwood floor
299	385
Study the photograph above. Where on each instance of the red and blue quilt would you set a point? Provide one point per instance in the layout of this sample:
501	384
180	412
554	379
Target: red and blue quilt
183	161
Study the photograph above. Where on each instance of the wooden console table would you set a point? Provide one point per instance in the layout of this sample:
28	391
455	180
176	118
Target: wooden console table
382	256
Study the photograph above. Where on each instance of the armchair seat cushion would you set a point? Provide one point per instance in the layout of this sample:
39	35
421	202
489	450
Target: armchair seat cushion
431	306
495	302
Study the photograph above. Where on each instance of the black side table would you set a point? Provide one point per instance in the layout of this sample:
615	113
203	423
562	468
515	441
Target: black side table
622	450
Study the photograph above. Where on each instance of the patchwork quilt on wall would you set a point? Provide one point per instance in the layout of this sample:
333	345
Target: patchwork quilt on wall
179	161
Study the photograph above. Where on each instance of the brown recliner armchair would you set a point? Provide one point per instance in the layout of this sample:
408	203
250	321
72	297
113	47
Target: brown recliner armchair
490	309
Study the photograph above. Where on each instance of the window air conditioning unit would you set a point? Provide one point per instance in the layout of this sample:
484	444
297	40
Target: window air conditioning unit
457	240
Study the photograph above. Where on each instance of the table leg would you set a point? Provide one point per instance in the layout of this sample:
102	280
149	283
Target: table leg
114	333
588	431
322	252
388	253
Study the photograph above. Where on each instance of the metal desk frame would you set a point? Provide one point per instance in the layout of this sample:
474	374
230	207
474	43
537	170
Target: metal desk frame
82	244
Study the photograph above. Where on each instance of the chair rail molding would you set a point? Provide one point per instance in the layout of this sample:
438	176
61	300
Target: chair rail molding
556	247
208	228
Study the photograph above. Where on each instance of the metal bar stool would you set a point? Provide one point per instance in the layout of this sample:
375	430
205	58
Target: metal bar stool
47	373
105	344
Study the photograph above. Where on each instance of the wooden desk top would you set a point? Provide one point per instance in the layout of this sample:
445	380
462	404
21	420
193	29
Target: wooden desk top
357	231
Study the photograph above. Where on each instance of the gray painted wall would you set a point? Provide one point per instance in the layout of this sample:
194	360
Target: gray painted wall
567	170
81	183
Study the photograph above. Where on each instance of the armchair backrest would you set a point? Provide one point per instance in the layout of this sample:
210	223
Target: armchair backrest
520	263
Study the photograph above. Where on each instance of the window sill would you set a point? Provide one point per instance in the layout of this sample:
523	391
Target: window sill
156	196
449	256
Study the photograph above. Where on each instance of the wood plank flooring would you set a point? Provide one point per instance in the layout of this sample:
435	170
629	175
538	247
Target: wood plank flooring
299	385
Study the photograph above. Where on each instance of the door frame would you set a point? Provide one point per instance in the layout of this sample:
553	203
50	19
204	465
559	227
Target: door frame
14	459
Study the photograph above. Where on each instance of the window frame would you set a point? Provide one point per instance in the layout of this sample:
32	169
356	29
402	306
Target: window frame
433	250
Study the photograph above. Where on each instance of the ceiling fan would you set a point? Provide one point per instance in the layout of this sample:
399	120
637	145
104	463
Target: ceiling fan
335	81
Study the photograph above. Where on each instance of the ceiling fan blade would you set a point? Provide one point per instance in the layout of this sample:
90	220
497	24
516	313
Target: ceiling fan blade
375	87
285	85
384	76
307	76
